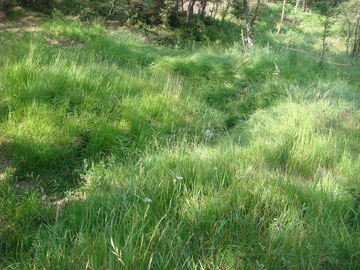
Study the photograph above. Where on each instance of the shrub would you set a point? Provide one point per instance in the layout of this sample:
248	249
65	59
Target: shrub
45	6
6	5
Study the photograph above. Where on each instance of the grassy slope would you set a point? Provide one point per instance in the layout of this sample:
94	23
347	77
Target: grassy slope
269	156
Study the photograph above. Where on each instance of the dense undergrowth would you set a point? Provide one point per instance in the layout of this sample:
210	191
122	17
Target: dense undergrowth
250	158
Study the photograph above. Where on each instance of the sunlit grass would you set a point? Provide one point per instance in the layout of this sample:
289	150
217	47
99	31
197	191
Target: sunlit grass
216	158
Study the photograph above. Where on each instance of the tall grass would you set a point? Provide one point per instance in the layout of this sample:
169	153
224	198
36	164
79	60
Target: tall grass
216	158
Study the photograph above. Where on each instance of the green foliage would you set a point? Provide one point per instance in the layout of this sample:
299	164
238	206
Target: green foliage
7	6
170	15
90	10
135	11
44	6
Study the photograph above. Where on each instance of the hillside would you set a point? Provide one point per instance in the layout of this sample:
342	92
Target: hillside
120	151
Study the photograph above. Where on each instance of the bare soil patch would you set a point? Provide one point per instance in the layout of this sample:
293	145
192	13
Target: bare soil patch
64	42
22	24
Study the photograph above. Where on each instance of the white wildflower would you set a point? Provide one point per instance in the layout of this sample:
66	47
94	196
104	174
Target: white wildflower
178	178
148	200
208	133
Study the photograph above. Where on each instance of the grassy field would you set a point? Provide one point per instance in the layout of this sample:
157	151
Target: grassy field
116	153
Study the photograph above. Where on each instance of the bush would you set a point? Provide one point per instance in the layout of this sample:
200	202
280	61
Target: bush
45	6
6	5
135	11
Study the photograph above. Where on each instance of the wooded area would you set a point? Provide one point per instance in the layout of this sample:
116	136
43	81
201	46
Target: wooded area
185	14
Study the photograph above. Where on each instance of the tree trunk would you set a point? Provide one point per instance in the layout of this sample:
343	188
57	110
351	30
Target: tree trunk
190	10
350	26
326	26
203	7
282	17
304	5
216	9
295	12
248	23
256	13
242	37
227	6
356	48
111	11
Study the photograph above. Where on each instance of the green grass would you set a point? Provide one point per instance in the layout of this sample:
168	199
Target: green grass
250	157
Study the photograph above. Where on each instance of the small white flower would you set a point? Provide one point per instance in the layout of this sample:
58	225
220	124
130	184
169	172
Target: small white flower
208	133
148	200
179	178
275	219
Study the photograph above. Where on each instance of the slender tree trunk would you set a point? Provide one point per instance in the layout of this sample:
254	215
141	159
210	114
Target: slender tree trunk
348	39
111	11
304	5
182	5
356	48
190	10
282	17
203	7
227	6
350	28
256	12
326	26
248	23
242	37
295	12
176	9
216	9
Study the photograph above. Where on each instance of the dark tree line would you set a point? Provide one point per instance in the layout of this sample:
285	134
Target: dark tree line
180	13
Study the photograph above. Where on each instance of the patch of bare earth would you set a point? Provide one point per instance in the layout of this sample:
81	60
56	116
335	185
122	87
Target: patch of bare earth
64	42
63	202
26	24
2	16
115	25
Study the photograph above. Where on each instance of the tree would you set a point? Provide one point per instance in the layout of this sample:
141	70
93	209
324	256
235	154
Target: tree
111	11
248	23
282	17
327	12
227	5
295	12
256	12
240	8
45	6
6	6
203	4
134	11
356	46
190	10
214	9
